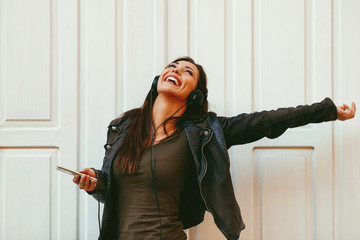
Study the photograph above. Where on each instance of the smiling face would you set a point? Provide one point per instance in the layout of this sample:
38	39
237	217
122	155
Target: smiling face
178	79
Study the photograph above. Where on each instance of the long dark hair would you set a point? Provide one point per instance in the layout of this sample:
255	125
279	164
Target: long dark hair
138	137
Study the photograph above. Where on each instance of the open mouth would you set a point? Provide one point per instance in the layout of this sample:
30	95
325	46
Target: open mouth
173	80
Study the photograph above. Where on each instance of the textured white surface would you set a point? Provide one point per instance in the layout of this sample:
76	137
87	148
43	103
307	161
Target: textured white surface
69	67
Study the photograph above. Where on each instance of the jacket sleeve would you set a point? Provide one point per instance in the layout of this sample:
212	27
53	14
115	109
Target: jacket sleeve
102	175
100	190
246	128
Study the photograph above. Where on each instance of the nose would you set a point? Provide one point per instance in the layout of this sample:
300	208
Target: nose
177	71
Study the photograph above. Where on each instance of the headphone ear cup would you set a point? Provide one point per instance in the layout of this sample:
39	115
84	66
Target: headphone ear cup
154	86
196	99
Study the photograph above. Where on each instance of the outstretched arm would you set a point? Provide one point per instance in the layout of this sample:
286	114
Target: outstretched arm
345	112
246	128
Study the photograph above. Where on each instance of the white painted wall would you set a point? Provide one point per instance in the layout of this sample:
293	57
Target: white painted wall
67	68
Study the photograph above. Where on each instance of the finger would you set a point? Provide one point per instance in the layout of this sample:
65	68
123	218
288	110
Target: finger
353	106
343	107
87	183
92	186
76	179
346	106
352	111
82	181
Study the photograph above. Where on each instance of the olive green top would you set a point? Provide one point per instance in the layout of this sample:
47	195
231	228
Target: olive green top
137	211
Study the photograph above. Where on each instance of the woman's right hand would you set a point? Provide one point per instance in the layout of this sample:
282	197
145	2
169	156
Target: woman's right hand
84	182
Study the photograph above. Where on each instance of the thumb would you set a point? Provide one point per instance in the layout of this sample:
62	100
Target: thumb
85	170
353	106
88	171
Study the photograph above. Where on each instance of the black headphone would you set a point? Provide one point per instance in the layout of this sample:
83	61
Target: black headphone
195	99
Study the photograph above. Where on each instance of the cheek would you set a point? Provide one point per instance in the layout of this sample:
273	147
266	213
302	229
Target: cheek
162	75
194	84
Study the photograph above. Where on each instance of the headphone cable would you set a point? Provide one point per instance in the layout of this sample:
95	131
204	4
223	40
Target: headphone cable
152	160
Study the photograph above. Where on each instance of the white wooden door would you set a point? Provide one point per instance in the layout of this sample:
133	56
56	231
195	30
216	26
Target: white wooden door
38	119
67	68
285	186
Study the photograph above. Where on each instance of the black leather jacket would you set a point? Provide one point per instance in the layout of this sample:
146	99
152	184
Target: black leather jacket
209	139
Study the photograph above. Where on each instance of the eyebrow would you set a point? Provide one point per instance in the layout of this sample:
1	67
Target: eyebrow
178	64
190	69
171	64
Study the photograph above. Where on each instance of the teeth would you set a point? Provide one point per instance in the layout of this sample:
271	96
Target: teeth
173	79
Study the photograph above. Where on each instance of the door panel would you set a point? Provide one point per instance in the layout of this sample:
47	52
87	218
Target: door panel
284	181
28	182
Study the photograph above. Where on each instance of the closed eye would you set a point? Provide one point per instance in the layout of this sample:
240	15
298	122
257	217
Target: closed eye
189	71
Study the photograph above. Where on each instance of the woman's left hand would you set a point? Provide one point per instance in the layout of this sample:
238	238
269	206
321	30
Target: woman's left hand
346	112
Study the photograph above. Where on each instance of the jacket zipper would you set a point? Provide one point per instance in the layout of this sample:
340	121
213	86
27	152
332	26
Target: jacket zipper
207	207
202	151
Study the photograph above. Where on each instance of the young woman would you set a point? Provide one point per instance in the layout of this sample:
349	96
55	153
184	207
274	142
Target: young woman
167	161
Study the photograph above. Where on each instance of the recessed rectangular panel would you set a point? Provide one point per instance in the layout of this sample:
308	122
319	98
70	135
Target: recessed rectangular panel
283	194
26	38
26	193
279	53
138	59
207	46
177	28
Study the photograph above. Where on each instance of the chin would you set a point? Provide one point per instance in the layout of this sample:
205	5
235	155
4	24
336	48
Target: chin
172	95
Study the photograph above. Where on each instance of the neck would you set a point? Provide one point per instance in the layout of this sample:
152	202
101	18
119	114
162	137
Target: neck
163	108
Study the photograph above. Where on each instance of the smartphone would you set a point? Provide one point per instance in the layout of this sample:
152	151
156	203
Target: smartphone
71	172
